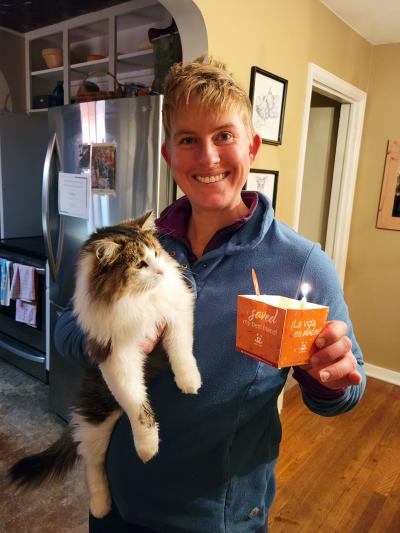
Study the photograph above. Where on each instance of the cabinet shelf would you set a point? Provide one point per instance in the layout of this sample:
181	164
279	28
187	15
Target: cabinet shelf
49	73
135	60
78	69
118	33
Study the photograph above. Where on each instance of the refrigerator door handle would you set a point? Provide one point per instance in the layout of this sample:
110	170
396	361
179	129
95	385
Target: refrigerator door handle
53	151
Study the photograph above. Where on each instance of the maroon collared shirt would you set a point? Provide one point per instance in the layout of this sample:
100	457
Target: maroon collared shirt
175	219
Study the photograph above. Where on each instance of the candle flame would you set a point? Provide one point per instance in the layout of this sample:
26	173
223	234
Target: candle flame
305	289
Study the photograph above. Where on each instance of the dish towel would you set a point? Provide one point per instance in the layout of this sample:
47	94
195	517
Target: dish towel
23	291
5	279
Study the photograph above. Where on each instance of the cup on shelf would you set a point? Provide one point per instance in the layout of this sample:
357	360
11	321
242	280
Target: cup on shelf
53	57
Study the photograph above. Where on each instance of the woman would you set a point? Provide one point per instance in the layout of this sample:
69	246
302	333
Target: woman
215	468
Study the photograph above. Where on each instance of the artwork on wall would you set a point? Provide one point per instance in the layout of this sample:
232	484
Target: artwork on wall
389	204
268	96
264	181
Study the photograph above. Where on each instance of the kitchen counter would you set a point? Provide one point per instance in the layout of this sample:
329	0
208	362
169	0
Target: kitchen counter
28	246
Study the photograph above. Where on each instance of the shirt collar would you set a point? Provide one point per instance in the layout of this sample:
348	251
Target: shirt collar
175	218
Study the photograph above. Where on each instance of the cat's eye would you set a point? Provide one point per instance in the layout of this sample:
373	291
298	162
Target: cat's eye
142	264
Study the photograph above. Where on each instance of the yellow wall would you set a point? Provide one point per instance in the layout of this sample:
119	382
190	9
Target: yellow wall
283	36
373	266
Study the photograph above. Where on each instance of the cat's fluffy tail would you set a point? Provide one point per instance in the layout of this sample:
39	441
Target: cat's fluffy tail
48	465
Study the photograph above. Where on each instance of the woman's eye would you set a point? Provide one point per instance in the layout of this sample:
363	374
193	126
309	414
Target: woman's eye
142	264
225	136
187	140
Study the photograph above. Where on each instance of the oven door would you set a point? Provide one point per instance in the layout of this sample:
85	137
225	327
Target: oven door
22	345
23	356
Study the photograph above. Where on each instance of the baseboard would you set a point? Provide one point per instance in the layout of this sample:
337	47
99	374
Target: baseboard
390	376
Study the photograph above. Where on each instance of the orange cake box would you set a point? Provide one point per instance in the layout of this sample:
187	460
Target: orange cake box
277	330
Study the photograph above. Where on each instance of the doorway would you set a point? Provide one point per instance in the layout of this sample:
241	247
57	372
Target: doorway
331	137
322	136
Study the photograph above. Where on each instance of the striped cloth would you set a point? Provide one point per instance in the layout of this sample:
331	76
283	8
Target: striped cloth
23	291
5	279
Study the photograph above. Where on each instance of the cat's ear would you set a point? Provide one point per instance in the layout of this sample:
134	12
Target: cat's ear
107	251
146	221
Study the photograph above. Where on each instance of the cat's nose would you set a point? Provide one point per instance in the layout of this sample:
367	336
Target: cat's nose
160	271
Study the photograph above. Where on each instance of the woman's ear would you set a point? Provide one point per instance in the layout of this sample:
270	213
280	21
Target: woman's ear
255	146
165	153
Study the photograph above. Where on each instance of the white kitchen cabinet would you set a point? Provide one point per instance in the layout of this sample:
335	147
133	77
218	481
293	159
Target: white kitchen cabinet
118	33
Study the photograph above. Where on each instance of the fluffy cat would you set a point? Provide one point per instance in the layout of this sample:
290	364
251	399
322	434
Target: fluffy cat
126	286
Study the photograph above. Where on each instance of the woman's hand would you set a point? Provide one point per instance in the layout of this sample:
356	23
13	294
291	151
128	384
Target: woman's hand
149	344
333	363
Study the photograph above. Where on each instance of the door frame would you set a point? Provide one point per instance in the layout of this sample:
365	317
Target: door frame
338	89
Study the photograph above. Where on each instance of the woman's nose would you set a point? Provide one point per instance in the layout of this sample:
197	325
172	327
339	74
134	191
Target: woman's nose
209	155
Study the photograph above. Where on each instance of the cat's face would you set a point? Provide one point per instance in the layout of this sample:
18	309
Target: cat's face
124	259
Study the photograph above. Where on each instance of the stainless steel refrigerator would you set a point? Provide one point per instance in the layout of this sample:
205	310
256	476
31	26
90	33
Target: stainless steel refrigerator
135	181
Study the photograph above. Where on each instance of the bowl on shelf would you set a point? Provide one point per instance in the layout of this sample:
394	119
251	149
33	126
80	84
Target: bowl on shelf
95	57
53	57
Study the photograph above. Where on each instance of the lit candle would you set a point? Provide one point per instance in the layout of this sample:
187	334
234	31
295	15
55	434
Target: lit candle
305	289
255	282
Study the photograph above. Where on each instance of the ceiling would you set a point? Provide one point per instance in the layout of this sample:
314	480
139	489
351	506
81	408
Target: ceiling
378	21
27	15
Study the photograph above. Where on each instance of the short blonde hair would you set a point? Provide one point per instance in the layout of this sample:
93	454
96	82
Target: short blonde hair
209	81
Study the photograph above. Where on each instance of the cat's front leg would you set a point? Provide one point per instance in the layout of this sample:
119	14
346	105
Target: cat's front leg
123	373
178	343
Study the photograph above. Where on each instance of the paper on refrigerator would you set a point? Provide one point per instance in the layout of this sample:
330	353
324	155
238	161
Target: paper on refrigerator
74	194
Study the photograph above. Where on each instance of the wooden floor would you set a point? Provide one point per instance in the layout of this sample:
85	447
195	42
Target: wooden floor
340	474
335	475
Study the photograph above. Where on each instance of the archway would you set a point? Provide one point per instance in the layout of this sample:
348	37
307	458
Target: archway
191	25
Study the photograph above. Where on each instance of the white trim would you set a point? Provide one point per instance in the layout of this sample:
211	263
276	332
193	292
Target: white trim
335	87
384	374
13	32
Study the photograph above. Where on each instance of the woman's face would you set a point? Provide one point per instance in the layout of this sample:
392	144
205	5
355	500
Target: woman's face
210	156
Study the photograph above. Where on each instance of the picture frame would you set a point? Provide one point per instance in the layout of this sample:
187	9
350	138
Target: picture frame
268	97
389	203
264	181
103	167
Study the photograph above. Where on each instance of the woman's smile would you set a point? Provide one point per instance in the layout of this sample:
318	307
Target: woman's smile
212	178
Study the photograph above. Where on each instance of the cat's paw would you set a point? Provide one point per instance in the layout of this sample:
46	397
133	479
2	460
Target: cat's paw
100	503
146	444
189	381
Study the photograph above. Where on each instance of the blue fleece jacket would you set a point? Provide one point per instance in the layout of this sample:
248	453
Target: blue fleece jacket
215	468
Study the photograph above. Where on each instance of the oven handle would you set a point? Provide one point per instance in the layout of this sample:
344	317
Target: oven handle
13	347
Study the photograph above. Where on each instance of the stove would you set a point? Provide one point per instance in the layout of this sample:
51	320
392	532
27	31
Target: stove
20	344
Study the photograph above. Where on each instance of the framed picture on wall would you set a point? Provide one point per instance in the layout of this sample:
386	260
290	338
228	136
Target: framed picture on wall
264	181
268	96
389	204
